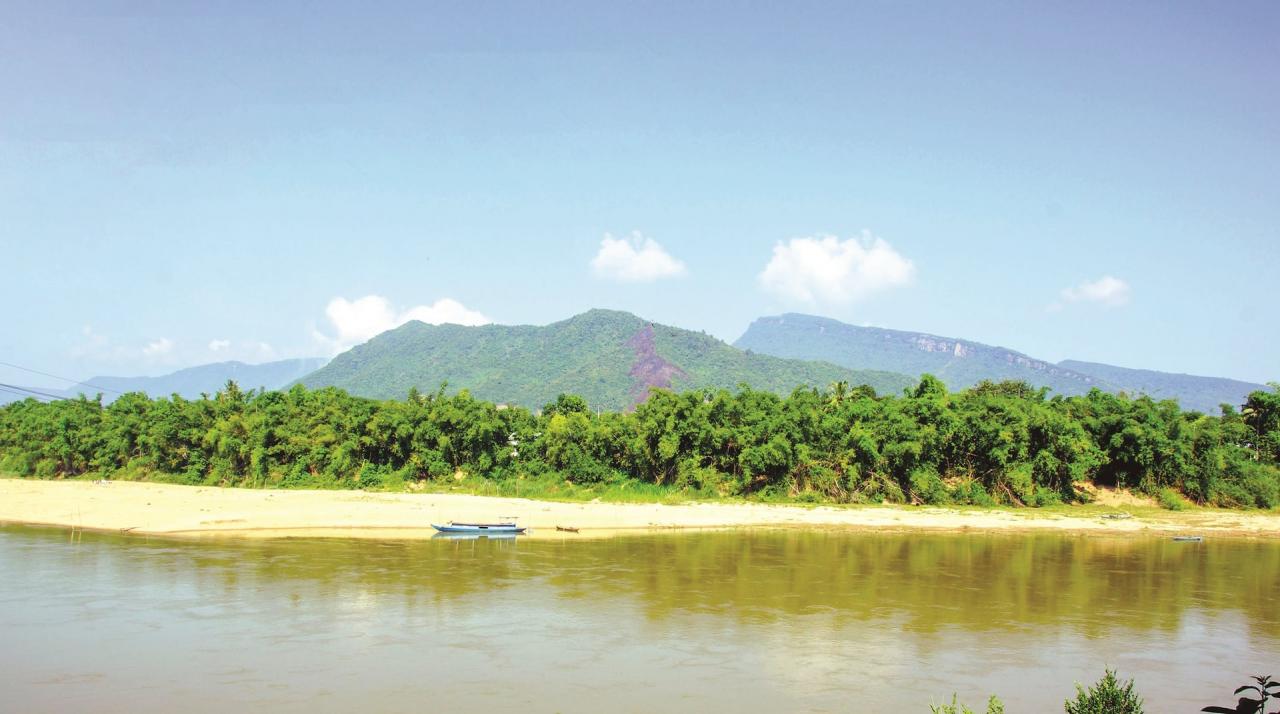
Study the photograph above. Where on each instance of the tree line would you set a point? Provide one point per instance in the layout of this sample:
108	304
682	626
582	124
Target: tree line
1005	443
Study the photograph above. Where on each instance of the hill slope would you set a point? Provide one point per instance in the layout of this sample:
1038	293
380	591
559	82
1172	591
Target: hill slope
959	363
610	358
193	381
1200	393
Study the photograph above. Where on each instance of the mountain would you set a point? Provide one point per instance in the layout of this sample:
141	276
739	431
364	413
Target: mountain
209	378
958	363
1203	394
193	381
610	358
962	363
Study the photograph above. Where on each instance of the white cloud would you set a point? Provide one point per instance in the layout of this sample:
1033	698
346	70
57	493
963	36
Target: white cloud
827	269
246	350
356	321
158	347
94	344
100	350
96	347
634	259
444	311
1107	290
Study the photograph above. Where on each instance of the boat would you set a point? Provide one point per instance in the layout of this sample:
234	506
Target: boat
479	528
567	529
1189	539
478	535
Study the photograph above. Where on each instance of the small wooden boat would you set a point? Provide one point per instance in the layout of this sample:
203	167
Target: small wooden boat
1189	539
480	535
479	528
567	529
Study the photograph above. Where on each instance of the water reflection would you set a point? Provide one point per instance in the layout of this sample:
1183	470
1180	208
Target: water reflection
759	621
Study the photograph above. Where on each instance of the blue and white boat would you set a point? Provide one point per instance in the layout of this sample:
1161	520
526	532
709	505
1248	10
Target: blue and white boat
483	535
480	528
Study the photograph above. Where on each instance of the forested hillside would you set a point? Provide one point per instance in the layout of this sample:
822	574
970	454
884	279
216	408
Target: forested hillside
995	443
610	358
963	363
958	363
1193	392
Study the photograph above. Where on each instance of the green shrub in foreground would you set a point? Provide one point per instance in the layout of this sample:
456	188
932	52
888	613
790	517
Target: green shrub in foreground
1254	700
994	706
1108	696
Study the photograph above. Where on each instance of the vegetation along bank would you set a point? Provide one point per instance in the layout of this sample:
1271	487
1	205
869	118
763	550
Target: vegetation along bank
995	443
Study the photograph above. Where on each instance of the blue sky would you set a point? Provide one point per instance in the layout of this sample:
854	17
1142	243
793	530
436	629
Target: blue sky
181	185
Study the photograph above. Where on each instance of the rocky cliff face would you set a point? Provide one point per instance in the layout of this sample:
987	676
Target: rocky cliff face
929	343
960	363
963	363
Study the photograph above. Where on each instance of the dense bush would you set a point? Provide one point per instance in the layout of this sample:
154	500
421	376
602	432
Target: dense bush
995	443
1169	498
1108	696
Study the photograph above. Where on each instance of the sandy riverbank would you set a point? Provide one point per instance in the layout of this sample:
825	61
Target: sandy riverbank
158	509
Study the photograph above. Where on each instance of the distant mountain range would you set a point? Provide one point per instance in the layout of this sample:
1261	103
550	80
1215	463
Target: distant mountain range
958	363
1200	393
613	358
961	363
610	358
193	381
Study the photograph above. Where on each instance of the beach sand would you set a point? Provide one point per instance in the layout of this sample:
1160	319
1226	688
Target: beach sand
158	509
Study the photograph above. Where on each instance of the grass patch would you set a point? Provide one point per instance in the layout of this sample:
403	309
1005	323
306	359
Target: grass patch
1171	500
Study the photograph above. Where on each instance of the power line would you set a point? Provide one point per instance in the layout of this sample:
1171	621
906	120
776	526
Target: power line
65	379
25	396
14	391
32	392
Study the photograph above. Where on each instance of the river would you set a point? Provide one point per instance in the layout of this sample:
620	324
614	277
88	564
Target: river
764	621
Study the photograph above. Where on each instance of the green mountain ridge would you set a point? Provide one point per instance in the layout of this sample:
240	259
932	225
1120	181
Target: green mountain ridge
1193	391
963	363
608	357
958	363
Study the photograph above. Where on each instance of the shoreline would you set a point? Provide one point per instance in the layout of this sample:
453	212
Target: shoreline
142	508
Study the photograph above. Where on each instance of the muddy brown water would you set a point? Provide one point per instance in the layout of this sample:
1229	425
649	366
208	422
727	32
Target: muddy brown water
764	621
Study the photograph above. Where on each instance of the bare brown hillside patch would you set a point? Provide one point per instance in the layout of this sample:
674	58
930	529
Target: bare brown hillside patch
649	369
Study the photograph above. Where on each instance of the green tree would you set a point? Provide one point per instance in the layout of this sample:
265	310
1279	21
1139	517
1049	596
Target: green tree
1261	413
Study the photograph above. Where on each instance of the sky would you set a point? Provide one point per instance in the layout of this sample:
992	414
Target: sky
190	183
